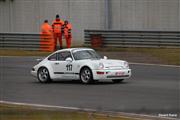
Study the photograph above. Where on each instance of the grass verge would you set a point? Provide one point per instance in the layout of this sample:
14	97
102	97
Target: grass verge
19	112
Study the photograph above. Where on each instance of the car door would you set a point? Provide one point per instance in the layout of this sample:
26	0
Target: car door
63	68
54	63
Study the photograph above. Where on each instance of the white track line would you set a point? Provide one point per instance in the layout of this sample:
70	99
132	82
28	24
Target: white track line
149	64
123	114
45	106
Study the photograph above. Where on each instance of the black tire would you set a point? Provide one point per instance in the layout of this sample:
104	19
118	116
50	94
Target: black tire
43	75
86	75
117	80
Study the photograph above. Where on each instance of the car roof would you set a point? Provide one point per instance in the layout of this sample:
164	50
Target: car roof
73	49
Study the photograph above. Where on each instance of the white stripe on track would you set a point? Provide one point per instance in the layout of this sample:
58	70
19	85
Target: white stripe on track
149	64
44	106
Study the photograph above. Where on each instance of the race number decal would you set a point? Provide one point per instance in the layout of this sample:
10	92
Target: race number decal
69	67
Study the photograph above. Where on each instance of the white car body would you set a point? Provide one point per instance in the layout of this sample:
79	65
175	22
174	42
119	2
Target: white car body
71	66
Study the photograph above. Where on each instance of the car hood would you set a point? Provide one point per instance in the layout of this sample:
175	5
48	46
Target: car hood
111	63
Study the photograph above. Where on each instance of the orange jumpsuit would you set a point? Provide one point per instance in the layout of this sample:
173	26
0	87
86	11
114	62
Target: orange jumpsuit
57	26
68	34
46	36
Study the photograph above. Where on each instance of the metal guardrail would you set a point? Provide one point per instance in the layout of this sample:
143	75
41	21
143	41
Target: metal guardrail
24	41
112	38
116	38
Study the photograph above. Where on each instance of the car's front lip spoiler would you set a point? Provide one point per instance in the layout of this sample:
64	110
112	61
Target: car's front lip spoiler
34	73
113	76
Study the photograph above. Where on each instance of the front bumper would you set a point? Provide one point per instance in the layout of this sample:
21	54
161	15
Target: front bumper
34	72
111	74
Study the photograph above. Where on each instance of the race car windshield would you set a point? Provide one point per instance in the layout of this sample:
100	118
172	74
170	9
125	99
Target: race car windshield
86	54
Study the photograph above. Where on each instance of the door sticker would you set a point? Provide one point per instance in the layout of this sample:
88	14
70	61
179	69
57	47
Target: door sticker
69	67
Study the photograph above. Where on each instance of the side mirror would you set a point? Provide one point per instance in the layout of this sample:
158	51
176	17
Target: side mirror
105	57
69	59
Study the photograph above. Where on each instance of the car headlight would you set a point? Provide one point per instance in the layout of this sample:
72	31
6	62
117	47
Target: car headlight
126	65
101	65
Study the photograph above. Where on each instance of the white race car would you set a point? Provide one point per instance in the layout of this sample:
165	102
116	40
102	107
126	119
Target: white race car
80	64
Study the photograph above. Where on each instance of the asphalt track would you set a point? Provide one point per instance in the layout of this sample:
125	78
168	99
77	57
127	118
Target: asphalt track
151	89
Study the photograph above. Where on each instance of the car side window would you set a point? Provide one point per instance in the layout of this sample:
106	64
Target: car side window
53	57
62	56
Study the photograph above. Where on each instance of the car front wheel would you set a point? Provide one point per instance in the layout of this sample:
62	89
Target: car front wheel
86	75
43	75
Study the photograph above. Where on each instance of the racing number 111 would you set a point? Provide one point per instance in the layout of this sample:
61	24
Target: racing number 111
69	67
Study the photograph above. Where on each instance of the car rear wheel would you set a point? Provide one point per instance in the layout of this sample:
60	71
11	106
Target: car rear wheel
117	80
86	75
43	75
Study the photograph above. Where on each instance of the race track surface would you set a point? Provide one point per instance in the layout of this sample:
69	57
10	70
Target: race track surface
151	89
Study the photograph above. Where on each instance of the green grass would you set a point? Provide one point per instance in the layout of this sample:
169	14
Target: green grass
167	55
14	112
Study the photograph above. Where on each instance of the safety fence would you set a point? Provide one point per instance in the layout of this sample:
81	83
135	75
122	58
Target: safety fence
112	38
20	40
116	38
25	41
